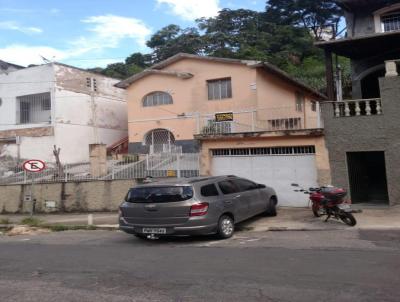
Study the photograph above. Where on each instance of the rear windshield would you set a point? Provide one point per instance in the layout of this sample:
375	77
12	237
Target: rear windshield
160	194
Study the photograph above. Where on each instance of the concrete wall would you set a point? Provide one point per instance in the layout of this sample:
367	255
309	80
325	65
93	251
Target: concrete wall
69	197
80	114
26	81
367	133
84	116
366	18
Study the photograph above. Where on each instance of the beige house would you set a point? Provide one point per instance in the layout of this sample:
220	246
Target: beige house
246	118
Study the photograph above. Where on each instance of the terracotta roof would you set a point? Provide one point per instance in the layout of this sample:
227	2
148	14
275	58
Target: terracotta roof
155	69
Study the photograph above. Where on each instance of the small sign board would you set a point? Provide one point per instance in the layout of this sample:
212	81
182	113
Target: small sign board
224	117
50	204
171	173
34	165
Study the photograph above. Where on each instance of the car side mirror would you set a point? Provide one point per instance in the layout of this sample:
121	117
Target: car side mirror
261	186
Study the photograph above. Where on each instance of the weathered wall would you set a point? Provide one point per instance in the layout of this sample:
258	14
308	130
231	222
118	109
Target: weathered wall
367	133
69	197
37	79
84	116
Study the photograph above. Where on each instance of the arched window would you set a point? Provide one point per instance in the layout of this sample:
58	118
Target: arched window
157	98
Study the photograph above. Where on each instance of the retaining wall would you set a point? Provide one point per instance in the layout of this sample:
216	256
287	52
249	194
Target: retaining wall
88	196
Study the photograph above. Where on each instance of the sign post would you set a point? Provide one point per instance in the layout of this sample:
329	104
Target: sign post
33	166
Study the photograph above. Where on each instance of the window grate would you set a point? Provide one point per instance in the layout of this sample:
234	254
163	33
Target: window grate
34	108
391	22
293	150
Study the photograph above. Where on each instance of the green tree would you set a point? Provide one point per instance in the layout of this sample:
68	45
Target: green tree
139	59
316	16
171	40
121	70
234	34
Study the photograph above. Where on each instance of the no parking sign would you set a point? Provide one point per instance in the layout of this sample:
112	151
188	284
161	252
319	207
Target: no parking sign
34	165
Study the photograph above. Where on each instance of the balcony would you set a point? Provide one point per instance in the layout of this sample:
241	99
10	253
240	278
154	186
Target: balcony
260	120
363	107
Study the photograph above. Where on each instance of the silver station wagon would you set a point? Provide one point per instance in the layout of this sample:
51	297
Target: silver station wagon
194	206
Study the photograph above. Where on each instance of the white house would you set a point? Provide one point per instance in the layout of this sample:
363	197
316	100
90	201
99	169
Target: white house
57	104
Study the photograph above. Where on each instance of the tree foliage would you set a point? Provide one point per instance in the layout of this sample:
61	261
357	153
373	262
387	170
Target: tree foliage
283	35
316	16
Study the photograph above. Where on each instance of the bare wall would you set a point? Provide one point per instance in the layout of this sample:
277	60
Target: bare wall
88	196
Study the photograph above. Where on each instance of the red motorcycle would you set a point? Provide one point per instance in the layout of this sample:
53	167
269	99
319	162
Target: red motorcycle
330	201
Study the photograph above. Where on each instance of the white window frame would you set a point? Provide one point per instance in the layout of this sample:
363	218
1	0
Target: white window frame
392	9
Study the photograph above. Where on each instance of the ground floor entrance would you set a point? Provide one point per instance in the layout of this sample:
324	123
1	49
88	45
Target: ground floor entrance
276	167
367	177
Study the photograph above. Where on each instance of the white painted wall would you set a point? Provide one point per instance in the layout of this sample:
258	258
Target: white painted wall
84	117
18	83
80	116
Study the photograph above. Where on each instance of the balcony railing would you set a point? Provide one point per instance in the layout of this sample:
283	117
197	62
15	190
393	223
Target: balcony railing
266	119
361	107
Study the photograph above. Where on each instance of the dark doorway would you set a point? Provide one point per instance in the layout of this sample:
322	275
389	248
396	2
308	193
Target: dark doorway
370	85
367	176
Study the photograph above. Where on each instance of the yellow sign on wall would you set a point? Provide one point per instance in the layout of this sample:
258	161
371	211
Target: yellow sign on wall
171	173
224	117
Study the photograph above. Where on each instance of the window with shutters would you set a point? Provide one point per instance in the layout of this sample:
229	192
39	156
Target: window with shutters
219	89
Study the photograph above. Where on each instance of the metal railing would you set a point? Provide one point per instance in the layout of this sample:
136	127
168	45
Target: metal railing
153	165
267	119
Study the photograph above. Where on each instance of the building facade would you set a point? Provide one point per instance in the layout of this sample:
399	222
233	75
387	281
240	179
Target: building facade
245	117
56	104
362	134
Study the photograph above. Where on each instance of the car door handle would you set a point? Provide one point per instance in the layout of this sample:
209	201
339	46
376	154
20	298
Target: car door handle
238	196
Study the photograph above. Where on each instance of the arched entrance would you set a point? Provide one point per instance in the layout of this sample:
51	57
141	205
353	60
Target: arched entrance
160	140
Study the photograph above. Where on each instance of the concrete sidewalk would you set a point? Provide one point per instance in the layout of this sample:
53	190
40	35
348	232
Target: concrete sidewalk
289	219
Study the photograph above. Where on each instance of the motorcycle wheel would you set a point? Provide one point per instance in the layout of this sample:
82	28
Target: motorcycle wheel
348	219
315	210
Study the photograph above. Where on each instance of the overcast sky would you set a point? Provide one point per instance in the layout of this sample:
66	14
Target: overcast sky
89	33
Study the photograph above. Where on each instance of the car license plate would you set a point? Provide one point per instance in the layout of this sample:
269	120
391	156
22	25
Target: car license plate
154	230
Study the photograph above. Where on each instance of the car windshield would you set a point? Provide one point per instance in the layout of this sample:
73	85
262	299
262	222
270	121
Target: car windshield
160	194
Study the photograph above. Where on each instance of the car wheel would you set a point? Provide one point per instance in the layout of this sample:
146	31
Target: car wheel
271	210
226	227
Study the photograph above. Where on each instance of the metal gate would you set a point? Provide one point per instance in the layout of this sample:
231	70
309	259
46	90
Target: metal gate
161	141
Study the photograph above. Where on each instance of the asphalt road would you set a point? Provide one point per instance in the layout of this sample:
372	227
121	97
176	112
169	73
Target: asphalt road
99	266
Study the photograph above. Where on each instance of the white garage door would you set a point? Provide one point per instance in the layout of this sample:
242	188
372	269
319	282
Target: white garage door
275	167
